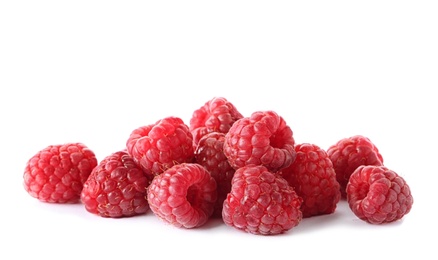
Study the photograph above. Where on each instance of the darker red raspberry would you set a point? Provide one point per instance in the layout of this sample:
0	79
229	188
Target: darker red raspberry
378	195
216	115
57	173
264	138
159	146
261	202
349	153
314	179
210	154
116	188
184	195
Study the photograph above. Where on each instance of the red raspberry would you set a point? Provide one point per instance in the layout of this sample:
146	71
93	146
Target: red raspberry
216	115
159	146
56	174
183	196
261	202
314	179
116	188
378	195
210	154
349	153
264	138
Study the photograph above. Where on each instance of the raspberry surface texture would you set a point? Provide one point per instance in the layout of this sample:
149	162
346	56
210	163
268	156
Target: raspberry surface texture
159	146
349	153
116	188
261	202
216	115
210	154
378	195
264	138
314	179
183	196
56	174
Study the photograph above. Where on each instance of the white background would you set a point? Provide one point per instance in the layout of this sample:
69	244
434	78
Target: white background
92	71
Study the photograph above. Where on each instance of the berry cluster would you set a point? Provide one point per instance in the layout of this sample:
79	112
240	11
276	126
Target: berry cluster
248	171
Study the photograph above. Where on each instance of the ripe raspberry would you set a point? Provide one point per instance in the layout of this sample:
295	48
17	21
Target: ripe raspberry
314	179
349	153
159	146
56	174
264	138
378	195
216	115
210	154
184	195
261	202
116	188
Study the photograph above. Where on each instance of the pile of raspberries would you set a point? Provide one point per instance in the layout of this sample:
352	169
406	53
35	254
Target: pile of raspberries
248	171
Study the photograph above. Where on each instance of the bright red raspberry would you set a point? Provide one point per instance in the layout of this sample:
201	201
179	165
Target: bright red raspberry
56	174
264	138
210	154
116	188
261	202
183	196
314	179
159	146
349	153
216	115
378	195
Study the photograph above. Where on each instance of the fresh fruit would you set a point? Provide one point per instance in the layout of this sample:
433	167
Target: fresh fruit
314	179
216	115
56	174
349	153
378	195
210	154
261	202
264	138
159	146
116	188
183	195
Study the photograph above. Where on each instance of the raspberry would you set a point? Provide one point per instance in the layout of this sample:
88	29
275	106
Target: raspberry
56	174
210	154
349	153
116	188
261	202
264	138
216	115
159	146
378	195
183	196
314	179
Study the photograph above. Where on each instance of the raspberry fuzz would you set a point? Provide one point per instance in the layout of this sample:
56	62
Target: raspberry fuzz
216	115
261	202
56	174
116	188
210	154
314	179
378	195
183	196
264	138
159	146
349	153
